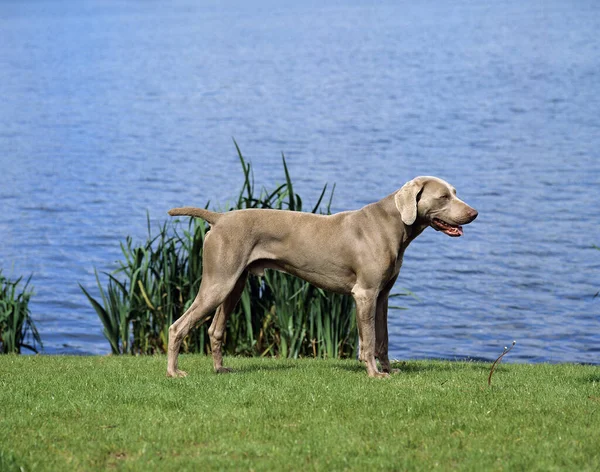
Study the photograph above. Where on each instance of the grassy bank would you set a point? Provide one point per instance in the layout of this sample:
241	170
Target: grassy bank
97	413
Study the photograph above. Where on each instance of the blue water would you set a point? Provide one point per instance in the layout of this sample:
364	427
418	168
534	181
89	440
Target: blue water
112	109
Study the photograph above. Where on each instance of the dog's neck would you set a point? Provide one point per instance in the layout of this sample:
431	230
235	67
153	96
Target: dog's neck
414	230
406	233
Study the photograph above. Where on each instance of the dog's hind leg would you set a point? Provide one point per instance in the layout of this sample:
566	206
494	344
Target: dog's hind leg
216	332
209	297
223	265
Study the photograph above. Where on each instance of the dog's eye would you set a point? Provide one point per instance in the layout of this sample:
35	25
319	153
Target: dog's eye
445	197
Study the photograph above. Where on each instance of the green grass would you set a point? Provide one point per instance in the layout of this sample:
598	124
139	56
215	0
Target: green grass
99	413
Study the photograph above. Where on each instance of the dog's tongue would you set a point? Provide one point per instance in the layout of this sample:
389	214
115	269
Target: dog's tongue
454	231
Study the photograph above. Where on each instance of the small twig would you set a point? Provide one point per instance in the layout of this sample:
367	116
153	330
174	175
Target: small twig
506	351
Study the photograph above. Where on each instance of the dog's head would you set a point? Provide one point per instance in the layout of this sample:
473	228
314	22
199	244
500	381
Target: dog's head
429	201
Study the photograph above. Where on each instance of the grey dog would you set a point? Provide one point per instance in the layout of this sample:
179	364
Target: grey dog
354	252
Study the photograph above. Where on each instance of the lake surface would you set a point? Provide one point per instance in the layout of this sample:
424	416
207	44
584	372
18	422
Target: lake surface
112	109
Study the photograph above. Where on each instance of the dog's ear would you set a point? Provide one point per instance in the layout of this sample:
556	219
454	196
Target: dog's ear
406	200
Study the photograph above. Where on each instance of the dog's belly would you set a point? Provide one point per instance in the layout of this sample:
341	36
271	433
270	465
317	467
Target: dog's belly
334	279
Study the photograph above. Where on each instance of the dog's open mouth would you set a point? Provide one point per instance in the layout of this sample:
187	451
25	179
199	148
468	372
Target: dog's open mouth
451	230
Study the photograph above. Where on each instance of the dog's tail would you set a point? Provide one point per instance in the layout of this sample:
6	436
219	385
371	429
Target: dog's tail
210	216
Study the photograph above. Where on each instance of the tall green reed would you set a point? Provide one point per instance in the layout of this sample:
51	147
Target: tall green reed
17	329
278	314
153	285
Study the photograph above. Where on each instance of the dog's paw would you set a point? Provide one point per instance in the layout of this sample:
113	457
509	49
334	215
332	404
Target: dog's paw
176	373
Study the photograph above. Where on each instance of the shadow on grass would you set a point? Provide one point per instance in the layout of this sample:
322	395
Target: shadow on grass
258	367
417	366
349	365
594	378
9	463
435	365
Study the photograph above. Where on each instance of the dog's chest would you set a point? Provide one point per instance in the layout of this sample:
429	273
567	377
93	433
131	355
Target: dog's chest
398	263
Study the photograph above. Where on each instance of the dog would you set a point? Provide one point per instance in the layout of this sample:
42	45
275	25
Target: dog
353	252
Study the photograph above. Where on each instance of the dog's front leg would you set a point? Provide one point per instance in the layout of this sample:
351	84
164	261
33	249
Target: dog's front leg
366	305
381	333
381	328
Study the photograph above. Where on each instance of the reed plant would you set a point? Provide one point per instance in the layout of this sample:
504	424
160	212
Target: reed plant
278	314
154	283
17	329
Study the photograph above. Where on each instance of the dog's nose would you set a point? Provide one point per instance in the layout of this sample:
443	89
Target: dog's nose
472	214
